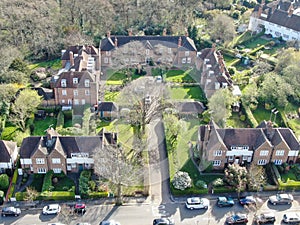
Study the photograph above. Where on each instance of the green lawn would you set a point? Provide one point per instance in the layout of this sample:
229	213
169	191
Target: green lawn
178	76
111	96
235	122
254	43
194	92
64	184
41	125
54	64
262	114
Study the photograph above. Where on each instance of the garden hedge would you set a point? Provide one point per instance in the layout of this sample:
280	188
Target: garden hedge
47	184
97	194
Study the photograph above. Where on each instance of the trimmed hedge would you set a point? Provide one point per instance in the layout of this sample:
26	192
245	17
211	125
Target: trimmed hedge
223	189
47	183
250	117
97	194
60	119
189	191
57	195
13	184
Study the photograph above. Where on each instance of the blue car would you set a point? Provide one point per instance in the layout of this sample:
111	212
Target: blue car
225	201
248	200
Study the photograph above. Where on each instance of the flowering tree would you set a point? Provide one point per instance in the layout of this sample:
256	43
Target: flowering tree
236	176
182	180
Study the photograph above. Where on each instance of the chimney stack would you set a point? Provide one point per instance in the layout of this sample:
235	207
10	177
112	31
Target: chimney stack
165	32
179	42
116	42
290	10
130	32
186	32
71	58
108	34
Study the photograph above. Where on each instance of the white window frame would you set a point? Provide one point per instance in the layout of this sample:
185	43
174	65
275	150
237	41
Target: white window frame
75	92
264	152
106	60
186	53
56	161
40	161
230	157
279	153
262	162
76	101
63	101
82	101
73	165
63	82
147	51
278	161
75	80
64	92
108	53
57	170
169	50
87	83
189	60
217	163
245	158
183	61
87	92
41	170
218	153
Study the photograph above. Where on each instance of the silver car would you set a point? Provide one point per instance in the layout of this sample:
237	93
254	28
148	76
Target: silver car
281	199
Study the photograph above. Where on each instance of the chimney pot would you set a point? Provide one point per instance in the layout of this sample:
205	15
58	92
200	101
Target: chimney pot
179	42
71	56
130	32
108	34
164	31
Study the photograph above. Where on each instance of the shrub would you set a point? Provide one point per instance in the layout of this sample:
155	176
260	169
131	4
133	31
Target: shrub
60	119
218	182
4	181
47	183
201	184
97	194
182	180
243	117
57	195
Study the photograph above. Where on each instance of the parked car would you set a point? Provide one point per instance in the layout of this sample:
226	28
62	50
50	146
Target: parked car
281	199
291	218
83	224
197	203
225	201
237	219
56	224
10	211
264	218
248	200
80	208
109	222
163	221
51	209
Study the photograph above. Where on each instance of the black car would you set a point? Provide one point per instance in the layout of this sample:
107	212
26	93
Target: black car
10	211
248	200
264	218
237	219
163	221
225	201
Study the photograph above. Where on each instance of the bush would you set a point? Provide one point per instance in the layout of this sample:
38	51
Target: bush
201	184
4	182
97	194
182	180
60	120
218	182
47	183
57	195
243	117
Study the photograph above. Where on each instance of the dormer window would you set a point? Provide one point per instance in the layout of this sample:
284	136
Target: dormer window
186	53
87	83
75	80
147	51
64	83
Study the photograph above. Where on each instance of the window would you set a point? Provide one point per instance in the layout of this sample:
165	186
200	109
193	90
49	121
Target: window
108	53
245	158
147	51
105	60
57	170
87	83
76	102
75	80
56	161
63	101
230	158
40	161
216	162
87	92
189	60
262	162
264	153
186	53
73	165
64	83
75	92
279	153
70	101
64	92
82	101
278	161
169	50
183	60
218	153
41	170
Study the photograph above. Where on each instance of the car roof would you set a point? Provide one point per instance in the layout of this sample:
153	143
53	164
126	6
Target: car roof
194	200
240	216
268	214
291	214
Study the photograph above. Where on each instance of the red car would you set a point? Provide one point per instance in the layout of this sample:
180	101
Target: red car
80	208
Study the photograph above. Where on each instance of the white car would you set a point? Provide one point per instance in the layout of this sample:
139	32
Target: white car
109	222
197	203
291	218
281	199
51	209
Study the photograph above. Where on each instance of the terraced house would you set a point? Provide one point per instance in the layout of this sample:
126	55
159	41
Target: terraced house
61	153
260	145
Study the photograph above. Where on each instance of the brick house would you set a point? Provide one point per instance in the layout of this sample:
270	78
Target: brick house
9	154
75	88
214	74
61	153
279	18
260	145
180	50
107	110
80	58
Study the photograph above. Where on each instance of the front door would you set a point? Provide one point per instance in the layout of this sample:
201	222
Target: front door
236	161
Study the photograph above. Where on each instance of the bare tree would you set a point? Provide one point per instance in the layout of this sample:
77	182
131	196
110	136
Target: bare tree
66	215
31	194
256	177
121	168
